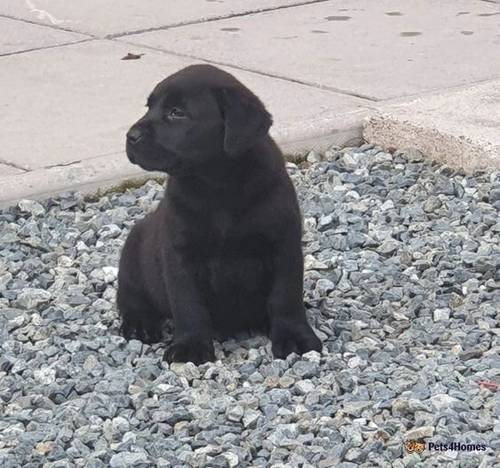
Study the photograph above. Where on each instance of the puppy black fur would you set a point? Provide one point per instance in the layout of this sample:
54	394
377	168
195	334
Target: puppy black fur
222	252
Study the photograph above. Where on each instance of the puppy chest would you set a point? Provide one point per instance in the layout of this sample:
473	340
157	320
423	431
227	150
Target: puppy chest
231	274
237	257
222	223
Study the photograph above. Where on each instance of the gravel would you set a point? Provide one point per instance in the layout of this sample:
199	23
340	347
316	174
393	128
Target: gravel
402	284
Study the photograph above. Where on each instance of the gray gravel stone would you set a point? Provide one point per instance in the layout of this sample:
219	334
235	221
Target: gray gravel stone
305	369
32	207
420	432
30	298
126	459
441	314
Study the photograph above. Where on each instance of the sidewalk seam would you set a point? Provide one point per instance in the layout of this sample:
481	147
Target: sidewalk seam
51	26
210	20
76	161
14	165
257	72
55	46
436	91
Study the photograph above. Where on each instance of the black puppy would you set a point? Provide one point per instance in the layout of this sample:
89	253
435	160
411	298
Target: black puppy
222	252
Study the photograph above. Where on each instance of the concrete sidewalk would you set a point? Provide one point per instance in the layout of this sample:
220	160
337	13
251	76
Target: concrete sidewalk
321	67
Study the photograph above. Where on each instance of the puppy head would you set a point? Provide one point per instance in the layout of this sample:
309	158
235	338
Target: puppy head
196	116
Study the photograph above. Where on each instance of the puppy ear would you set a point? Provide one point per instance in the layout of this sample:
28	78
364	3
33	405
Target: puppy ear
246	120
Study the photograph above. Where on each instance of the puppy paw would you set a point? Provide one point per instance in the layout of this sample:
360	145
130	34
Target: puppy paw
195	349
290	338
144	331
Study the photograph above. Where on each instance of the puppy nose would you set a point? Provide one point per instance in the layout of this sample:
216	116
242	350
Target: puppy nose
134	135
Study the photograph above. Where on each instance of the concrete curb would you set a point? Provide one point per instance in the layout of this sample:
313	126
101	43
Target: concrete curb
459	128
104	173
455	151
87	176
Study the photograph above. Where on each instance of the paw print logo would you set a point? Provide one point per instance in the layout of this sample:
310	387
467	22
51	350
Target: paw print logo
414	446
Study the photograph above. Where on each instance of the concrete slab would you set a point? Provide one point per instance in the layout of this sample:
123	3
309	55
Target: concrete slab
78	127
460	128
7	170
18	36
121	16
379	50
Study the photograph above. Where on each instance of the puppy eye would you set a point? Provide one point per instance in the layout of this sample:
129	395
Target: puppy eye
176	113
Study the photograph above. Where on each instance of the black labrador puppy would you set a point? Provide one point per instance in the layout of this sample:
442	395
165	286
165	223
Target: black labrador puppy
222	252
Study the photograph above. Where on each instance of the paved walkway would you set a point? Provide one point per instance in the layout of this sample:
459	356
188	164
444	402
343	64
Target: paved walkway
321	67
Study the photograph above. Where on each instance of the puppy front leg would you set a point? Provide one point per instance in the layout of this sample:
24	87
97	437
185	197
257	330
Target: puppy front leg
290	331
193	327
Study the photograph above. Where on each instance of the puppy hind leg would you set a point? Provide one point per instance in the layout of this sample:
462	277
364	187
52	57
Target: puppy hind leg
140	319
